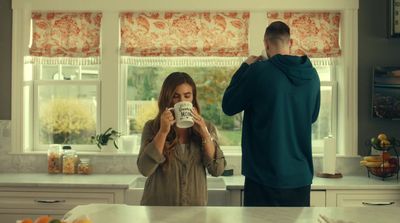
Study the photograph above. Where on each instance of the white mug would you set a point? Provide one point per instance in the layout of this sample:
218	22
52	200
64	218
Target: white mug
183	114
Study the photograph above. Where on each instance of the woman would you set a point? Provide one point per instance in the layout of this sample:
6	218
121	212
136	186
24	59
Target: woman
175	159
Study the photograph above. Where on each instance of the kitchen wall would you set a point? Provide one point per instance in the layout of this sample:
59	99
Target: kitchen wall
5	62
374	49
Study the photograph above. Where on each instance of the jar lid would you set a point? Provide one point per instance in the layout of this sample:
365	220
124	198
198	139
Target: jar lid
66	147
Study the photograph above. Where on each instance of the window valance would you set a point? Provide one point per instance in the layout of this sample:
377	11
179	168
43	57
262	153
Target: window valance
184	33
65	34
315	34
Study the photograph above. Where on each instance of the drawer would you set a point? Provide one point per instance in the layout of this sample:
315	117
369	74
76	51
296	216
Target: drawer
50	200
368	198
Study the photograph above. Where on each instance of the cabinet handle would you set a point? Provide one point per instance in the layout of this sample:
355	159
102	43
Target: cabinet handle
378	203
49	201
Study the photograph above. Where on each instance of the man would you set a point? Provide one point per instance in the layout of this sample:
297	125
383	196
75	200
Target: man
280	98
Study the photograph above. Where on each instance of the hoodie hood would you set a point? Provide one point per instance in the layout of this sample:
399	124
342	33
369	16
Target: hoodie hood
298	70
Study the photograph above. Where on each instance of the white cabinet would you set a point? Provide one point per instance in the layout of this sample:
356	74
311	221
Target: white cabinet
362	198
23	202
317	198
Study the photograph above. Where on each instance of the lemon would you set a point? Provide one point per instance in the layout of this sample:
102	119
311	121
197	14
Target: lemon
382	136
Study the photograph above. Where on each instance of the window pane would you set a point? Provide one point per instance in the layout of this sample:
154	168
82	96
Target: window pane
144	84
50	72
324	73
67	114
90	72
69	72
323	126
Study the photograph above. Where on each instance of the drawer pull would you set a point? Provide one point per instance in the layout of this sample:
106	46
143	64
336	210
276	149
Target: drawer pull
378	203
50	201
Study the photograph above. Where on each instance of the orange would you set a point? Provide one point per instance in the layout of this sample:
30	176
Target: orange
43	219
83	221
27	220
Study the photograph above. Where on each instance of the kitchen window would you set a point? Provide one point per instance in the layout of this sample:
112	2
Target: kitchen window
117	85
64	99
144	83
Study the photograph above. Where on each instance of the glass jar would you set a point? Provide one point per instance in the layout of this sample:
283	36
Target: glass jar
54	154
69	161
85	167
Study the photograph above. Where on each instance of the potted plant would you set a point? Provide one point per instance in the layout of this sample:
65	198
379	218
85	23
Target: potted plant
103	138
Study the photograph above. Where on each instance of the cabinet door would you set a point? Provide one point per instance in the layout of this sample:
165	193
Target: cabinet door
317	198
363	198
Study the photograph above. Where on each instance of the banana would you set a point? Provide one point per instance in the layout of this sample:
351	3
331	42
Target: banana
373	158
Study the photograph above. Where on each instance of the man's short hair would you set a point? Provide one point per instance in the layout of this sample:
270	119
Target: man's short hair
277	33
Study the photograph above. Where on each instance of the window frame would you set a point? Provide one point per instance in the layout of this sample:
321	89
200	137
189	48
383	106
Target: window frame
110	108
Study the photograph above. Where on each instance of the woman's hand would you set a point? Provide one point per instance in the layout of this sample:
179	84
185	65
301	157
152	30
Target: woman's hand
166	121
200	125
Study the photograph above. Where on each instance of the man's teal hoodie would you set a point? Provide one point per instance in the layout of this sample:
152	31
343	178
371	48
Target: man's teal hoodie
280	98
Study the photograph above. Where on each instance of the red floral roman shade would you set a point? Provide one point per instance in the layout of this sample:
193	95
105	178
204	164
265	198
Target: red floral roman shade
184	33
65	34
315	34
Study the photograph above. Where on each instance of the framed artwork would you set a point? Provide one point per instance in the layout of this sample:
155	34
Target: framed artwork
394	18
386	93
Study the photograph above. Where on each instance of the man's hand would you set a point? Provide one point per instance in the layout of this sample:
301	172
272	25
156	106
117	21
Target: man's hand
251	59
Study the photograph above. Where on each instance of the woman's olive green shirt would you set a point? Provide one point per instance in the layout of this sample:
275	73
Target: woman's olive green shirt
184	181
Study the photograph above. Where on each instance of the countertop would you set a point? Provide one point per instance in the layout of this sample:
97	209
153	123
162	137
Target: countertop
347	182
117	213
116	181
124	181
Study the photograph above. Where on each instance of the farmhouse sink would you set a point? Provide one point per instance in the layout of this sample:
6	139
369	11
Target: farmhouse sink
212	183
217	193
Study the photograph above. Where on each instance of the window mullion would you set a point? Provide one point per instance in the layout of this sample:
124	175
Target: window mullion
109	71
20	31
257	24
347	96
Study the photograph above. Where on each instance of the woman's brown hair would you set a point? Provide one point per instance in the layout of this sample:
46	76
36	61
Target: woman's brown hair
165	100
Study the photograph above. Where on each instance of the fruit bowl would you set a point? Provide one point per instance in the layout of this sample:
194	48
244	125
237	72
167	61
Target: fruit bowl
383	142
383	171
386	164
382	166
